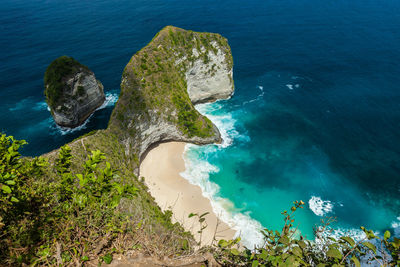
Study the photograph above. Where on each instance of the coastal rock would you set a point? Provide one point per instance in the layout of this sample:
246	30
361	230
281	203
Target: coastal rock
162	82
211	81
72	91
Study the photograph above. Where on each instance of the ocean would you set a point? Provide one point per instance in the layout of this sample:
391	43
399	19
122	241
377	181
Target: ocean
315	115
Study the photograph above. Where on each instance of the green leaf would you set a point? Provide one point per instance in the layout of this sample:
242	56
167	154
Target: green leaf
191	215
119	188
297	251
284	240
349	240
235	252
386	236
263	255
185	244
356	261
321	265
370	246
10	182
204	214
334	253
255	263
14	199
290	261
6	189
222	243
85	258
302	244
107	258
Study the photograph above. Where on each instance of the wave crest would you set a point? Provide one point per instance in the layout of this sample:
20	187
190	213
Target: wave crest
320	207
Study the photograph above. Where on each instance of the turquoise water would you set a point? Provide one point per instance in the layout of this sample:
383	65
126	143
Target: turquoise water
315	115
252	178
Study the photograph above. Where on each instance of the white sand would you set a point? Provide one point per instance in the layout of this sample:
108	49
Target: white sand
160	169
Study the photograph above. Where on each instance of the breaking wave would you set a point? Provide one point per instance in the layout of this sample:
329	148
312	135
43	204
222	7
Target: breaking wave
198	170
320	207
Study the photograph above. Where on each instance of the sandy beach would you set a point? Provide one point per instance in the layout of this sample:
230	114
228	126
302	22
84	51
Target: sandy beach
161	168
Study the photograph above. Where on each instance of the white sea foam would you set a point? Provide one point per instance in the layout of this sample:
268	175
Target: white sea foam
65	130
290	86
259	96
41	106
198	172
111	99
396	226
225	123
356	234
319	206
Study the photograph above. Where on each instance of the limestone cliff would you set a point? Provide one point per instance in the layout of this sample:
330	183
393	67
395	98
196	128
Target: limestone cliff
162	81
210	81
72	91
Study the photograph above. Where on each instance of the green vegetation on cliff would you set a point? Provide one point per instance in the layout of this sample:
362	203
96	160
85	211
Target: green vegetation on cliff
59	69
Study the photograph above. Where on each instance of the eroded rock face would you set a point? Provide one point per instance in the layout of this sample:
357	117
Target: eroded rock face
208	82
156	131
76	94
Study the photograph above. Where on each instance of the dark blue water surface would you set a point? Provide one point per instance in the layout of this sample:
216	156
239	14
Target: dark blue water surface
326	125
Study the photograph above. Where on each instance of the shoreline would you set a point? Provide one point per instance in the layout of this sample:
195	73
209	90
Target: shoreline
161	168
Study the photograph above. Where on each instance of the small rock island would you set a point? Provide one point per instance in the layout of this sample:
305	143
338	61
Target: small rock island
72	91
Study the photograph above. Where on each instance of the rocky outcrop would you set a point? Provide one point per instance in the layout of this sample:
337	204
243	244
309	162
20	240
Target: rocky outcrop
212	81
72	91
156	131
161	84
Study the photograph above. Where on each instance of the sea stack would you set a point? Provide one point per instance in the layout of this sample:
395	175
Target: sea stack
72	91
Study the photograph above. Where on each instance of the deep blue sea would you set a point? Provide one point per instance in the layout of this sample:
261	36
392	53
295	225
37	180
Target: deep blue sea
315	115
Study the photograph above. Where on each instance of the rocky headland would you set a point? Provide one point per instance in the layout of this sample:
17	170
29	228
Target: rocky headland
162	82
72	91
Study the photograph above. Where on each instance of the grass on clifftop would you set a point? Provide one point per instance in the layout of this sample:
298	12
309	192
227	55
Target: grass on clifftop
154	80
55	76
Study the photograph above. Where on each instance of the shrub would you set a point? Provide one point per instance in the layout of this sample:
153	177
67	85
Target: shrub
55	222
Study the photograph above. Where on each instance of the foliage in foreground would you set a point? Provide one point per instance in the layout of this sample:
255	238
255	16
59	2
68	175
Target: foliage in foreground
66	217
51	215
286	249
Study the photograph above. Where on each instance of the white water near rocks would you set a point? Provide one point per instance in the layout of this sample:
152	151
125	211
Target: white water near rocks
198	170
